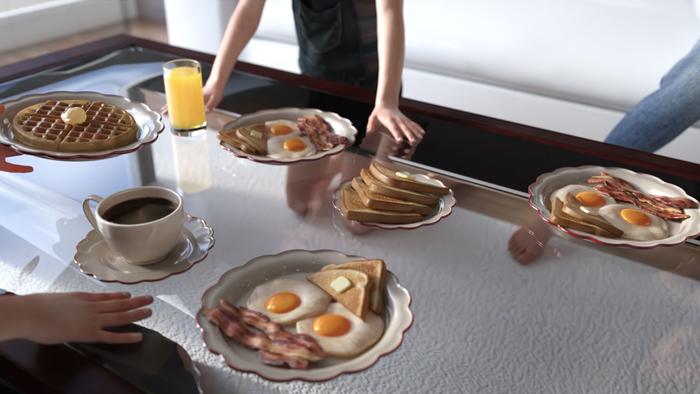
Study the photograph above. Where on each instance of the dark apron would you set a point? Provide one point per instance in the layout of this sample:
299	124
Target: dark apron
329	42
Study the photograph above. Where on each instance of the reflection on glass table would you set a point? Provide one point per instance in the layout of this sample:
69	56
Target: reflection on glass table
482	321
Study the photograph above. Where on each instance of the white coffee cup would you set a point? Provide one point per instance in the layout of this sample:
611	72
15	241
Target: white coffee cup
142	243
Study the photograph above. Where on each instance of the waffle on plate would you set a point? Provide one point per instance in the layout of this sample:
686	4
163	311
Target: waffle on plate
106	126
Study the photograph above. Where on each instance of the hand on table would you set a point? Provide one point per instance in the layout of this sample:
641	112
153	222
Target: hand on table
52	318
400	127
6	152
213	94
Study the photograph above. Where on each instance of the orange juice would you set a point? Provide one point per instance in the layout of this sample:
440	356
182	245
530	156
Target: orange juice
183	91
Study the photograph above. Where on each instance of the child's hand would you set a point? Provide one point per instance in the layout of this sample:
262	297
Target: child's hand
7	152
213	94
52	318
400	127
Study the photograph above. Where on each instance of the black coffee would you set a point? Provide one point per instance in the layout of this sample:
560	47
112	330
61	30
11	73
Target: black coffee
139	210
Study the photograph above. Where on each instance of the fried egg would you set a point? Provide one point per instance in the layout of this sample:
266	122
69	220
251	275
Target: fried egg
281	127
589	197
635	223
289	147
342	334
286	301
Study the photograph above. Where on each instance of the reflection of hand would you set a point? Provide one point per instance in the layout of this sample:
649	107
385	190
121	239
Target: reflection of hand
6	152
213	93
400	127
52	318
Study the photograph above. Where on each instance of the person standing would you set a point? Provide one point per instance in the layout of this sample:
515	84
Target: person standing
360	42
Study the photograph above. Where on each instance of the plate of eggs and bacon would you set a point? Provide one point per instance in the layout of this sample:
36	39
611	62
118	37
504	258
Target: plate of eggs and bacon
615	207
305	315
287	135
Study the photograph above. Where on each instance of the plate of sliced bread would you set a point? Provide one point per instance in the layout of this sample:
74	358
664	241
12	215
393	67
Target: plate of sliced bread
386	198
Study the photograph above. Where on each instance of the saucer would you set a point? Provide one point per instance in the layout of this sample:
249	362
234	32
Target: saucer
96	259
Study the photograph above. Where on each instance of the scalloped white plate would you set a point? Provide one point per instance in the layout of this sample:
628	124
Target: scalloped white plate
547	183
236	284
441	211
150	124
96	259
341	126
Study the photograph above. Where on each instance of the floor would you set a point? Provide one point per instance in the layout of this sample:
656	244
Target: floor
153	30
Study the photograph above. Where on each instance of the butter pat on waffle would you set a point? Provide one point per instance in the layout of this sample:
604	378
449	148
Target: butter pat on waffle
105	126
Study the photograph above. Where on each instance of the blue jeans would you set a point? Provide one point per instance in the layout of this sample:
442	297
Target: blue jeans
663	115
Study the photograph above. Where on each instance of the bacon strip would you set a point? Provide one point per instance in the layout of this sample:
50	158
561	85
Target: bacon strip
281	359
273	330
669	208
320	132
255	331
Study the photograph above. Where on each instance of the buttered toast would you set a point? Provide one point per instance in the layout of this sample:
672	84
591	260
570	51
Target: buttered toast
378	187
354	295
376	271
404	180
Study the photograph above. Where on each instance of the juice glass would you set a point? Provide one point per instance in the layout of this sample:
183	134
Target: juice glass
183	91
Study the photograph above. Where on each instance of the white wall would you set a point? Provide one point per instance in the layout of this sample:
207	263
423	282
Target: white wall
197	27
48	20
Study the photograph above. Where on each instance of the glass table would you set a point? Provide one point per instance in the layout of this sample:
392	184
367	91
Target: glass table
582	318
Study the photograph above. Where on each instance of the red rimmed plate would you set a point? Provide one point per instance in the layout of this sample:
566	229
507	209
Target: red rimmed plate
236	284
441	211
541	190
341	126
150	124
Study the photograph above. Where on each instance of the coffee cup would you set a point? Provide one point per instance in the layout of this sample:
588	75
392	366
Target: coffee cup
142	224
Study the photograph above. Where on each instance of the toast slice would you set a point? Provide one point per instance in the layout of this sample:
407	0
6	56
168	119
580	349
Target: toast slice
230	137
355	297
385	203
378	187
255	136
574	208
353	209
376	271
394	178
558	216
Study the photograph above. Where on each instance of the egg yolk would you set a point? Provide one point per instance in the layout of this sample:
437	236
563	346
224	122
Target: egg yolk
280	129
635	216
294	145
331	325
590	199
282	302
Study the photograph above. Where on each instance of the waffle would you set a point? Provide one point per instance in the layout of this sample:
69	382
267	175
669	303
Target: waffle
106	127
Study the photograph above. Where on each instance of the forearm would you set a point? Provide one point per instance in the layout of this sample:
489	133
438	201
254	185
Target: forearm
241	27
13	317
391	50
